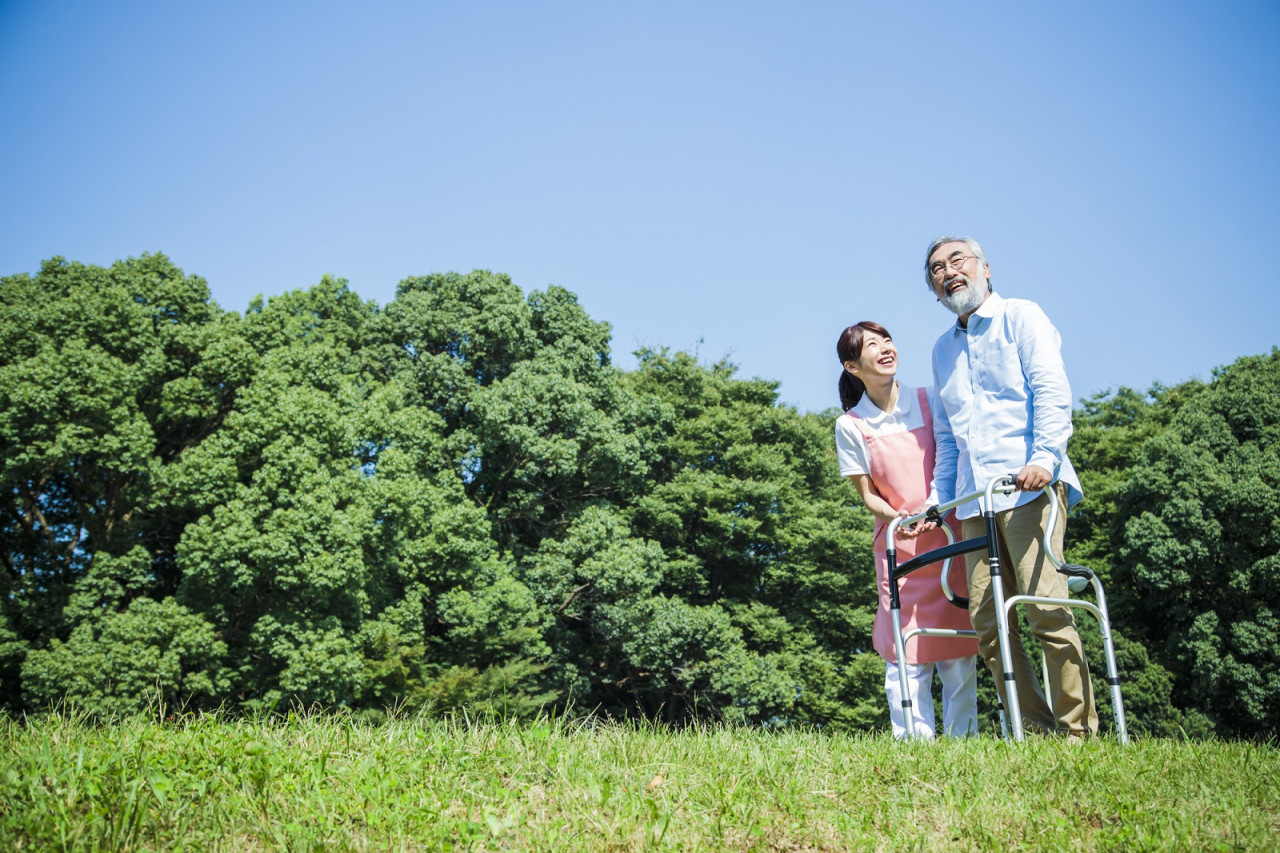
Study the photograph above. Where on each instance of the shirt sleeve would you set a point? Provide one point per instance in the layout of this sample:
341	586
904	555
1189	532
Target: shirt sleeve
851	448
946	455
1040	348
932	395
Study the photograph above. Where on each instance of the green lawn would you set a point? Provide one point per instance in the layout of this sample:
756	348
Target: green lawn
317	782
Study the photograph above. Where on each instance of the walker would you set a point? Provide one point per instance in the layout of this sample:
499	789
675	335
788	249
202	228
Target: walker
1078	578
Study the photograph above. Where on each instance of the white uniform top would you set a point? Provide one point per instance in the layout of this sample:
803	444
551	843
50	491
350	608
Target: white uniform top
851	447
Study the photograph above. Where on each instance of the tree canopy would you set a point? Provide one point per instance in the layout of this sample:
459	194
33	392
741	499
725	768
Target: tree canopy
456	499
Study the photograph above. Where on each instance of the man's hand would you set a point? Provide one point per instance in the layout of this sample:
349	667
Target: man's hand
917	529
1032	478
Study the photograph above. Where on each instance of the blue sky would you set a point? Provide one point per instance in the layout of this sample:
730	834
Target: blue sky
738	180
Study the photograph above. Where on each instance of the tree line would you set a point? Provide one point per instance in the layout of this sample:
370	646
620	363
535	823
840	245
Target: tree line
456	500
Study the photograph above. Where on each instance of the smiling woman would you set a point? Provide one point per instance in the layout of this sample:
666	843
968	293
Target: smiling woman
850	351
884	444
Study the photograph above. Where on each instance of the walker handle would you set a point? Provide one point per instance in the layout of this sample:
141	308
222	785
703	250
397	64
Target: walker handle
1079	577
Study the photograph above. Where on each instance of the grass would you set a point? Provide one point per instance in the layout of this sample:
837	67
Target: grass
318	782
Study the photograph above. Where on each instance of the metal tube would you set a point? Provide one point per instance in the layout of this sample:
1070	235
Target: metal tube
1113	673
900	650
1002	621
899	642
938	632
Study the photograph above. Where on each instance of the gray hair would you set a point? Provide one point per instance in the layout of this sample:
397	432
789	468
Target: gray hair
933	247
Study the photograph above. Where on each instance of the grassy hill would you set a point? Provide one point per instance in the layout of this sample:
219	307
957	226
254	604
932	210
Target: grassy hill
320	782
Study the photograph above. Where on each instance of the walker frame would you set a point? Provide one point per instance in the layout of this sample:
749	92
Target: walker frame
1011	722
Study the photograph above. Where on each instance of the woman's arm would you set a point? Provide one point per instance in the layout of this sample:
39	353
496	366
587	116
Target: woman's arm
880	508
877	505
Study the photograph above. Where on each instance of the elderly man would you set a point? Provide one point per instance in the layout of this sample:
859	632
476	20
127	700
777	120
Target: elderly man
1006	408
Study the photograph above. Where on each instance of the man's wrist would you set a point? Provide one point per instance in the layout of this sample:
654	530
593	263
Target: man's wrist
1045	461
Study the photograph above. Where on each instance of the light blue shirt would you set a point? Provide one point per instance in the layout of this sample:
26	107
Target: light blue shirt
1005	403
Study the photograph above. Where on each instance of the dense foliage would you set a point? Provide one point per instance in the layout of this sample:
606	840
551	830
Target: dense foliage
456	499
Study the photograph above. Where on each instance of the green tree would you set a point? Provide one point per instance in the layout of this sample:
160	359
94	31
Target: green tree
342	562
107	376
769	568
1201	547
1106	447
151	654
534	430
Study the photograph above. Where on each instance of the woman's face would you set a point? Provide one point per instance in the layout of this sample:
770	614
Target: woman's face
879	358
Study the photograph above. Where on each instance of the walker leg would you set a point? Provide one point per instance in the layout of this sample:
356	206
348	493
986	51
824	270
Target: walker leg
900	648
1002	627
1113	673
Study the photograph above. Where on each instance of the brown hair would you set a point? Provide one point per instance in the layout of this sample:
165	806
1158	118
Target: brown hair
849	348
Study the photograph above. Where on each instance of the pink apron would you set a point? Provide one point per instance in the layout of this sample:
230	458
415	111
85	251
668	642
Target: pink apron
901	467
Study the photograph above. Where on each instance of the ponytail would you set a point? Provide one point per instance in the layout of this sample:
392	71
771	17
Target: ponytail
851	390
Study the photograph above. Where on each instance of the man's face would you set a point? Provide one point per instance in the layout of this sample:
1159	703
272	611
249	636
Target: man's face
960	281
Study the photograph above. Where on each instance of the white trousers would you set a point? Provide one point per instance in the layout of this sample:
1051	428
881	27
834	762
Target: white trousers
959	698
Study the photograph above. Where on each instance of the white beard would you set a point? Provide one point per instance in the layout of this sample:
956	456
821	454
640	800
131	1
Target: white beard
967	300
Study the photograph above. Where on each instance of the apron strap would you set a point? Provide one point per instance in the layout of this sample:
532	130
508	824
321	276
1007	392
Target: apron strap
860	424
924	407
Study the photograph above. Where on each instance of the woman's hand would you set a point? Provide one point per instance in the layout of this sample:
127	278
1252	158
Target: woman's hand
912	531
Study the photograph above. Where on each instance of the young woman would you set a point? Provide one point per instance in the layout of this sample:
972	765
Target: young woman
884	444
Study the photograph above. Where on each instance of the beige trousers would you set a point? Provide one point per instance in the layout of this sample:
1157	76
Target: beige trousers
1025	570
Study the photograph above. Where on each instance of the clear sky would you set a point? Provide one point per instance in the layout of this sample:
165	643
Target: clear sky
735	179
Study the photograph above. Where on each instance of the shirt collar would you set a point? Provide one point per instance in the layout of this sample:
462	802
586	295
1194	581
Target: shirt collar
987	309
873	414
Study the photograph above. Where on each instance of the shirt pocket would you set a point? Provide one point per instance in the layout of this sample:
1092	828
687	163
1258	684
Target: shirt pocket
1000	370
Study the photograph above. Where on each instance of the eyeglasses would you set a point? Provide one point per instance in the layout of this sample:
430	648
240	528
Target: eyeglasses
956	263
